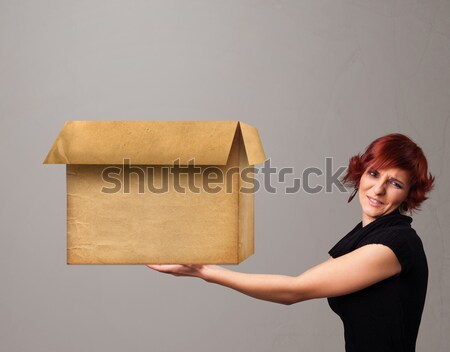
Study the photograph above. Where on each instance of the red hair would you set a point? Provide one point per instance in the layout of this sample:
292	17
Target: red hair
399	151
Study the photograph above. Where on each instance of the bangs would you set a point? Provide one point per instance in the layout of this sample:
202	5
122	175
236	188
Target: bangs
386	156
383	163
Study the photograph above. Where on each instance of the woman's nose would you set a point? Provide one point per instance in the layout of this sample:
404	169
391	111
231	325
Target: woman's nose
379	188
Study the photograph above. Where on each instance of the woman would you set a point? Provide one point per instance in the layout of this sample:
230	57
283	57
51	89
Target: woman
376	277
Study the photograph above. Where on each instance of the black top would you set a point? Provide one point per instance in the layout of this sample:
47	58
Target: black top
385	316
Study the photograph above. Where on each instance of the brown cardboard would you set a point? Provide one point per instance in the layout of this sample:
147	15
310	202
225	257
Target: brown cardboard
144	227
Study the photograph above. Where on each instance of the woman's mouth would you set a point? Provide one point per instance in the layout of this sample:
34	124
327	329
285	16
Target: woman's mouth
374	202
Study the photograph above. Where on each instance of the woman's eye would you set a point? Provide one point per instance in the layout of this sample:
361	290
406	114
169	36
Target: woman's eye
397	185
373	173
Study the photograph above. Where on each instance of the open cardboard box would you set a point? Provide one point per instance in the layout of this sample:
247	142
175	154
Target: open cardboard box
150	192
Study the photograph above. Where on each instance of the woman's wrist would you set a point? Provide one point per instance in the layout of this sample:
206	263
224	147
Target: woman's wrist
209	272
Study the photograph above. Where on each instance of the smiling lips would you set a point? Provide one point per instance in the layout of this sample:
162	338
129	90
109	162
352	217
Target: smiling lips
374	202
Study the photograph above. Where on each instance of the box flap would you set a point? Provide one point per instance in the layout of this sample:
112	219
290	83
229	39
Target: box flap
252	144
143	142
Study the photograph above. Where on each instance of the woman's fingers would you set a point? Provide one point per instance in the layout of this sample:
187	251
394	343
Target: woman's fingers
170	268
164	268
177	269
155	267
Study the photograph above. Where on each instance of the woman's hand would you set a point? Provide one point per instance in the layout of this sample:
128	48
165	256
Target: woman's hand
196	270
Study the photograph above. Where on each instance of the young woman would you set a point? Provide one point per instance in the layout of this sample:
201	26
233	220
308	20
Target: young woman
376	278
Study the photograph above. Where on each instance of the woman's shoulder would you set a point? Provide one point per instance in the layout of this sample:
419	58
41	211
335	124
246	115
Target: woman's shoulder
397	234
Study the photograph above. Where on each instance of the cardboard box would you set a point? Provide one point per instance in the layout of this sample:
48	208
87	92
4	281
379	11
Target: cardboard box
125	199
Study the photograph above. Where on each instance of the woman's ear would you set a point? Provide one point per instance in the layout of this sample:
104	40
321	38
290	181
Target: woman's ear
404	206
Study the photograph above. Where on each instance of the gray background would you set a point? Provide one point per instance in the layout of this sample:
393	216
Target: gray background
317	78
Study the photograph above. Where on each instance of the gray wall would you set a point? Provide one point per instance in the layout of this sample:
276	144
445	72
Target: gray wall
317	78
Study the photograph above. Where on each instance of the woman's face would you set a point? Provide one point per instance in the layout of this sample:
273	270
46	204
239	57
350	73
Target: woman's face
382	191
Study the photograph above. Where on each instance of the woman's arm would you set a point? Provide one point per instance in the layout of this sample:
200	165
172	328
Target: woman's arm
352	272
273	288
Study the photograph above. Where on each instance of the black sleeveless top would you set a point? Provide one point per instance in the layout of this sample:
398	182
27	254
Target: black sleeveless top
386	316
